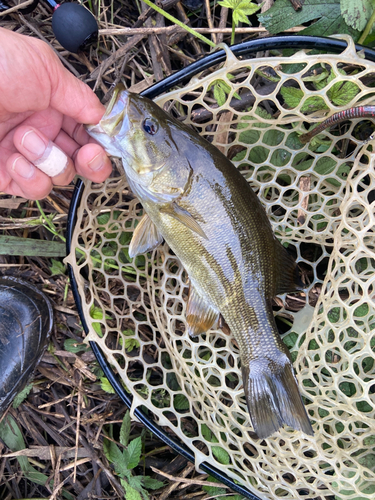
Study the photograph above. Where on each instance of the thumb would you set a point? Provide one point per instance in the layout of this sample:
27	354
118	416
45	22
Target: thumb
32	78
70	96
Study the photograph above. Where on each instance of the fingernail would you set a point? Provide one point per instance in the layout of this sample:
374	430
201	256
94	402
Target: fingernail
23	168
97	162
33	143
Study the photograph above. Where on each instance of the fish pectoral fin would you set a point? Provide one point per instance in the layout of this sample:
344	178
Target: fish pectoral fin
273	397
184	217
146	237
200	315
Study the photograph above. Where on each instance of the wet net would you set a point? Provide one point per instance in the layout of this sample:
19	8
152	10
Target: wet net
320	200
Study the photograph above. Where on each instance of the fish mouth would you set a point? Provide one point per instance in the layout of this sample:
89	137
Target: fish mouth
116	113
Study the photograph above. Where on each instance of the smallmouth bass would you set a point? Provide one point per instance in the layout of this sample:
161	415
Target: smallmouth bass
197	201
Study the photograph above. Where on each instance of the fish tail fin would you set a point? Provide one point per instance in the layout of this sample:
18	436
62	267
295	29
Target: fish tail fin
273	397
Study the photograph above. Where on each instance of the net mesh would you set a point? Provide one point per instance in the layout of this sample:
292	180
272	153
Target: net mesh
320	201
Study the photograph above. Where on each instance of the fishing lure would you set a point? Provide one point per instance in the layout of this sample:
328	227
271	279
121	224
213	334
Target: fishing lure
347	114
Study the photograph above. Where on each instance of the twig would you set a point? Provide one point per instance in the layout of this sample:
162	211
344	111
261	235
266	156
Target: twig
165	4
179	23
296	4
154	49
133	40
209	19
176	29
21	6
79	404
181	14
222	23
188	481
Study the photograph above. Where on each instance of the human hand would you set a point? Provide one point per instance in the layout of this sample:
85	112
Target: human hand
42	107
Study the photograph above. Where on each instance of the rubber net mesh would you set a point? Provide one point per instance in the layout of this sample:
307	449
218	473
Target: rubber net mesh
320	201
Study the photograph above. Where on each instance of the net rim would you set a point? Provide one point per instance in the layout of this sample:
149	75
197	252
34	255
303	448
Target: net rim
243	49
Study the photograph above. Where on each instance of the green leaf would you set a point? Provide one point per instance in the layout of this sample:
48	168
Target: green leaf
291	96
219	95
72	345
258	154
15	245
136	482
130	493
57	267
249	136
303	165
325	165
361	310
212	490
134	450
130	343
96	312
117	458
152	484
356	12
241	9
112	451
273	137
106	386
11	434
221	455
125	429
313	104
181	402
327	13
342	93
21	396
206	432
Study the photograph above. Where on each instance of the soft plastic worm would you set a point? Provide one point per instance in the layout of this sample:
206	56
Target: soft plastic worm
348	114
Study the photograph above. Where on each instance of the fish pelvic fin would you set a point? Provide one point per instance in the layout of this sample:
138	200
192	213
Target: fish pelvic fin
200	315
273	397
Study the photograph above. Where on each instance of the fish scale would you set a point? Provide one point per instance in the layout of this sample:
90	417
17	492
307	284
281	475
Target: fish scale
197	201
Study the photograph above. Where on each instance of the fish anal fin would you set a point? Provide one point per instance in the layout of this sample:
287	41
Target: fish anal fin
183	216
273	397
288	277
200	315
146	237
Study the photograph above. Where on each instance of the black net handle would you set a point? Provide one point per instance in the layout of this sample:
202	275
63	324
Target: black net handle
296	42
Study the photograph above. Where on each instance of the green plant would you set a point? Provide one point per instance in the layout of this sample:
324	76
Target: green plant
126	460
241	10
222	89
327	17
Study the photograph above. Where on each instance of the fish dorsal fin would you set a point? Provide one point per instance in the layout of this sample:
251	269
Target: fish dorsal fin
184	217
146	237
288	278
200	315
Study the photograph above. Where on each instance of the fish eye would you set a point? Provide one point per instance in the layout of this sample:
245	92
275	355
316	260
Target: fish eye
150	125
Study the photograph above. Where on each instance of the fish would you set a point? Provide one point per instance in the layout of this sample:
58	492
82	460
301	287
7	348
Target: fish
196	200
